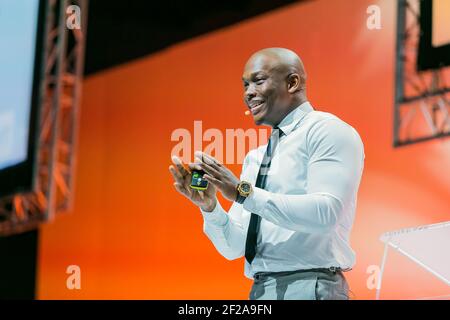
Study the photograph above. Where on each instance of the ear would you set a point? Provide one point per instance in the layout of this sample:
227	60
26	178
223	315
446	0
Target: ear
294	83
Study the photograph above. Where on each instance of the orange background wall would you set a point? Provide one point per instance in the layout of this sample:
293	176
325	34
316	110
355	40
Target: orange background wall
134	237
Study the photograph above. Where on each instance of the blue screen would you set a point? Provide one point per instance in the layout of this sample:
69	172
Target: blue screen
18	27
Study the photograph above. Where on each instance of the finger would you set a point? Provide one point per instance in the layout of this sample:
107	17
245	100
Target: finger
207	166
206	158
211	171
213	180
179	178
176	174
181	189
180	166
195	166
202	194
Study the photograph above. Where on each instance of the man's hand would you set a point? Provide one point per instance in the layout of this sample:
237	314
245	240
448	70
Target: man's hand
206	200
217	174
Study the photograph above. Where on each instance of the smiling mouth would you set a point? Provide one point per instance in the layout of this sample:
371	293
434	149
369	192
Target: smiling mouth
256	107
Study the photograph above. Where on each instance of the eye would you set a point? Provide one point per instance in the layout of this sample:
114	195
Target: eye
260	81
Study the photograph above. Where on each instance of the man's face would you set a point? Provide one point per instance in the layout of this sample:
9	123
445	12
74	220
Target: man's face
264	90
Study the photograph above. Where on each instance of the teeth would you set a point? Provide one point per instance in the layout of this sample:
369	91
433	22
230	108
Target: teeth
257	104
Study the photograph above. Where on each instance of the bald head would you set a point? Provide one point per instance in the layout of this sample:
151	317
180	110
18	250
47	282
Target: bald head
277	77
279	59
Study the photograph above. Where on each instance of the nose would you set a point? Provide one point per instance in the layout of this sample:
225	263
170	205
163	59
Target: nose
249	93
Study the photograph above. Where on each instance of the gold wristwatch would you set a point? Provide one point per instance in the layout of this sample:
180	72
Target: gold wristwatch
244	189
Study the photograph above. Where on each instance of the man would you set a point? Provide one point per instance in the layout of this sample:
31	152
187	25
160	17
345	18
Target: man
294	204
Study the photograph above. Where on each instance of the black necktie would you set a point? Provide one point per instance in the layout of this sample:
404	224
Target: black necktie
255	220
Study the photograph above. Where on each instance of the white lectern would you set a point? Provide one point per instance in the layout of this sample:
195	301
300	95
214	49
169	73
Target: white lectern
428	246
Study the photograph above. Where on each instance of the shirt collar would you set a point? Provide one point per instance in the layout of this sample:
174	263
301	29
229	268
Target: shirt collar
294	117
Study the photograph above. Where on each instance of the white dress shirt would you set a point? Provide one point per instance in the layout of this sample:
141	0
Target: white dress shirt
308	203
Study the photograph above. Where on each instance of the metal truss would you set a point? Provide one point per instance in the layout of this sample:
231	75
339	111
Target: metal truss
422	100
60	96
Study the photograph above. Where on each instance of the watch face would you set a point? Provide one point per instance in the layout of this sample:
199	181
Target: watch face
245	187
